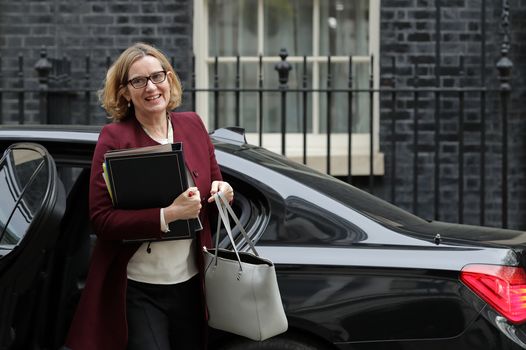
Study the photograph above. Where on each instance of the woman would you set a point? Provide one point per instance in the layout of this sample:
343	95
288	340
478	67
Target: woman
139	296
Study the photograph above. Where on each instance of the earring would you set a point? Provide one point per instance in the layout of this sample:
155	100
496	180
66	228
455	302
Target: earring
129	104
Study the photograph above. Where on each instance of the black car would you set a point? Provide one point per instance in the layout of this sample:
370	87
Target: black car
354	271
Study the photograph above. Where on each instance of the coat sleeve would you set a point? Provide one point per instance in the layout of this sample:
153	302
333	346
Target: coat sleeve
110	223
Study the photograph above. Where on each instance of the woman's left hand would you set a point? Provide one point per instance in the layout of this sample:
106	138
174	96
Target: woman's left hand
223	187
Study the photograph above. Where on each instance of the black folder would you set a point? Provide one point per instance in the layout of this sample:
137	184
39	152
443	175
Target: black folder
150	177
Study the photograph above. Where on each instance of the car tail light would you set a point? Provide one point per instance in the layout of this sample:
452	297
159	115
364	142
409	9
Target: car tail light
503	287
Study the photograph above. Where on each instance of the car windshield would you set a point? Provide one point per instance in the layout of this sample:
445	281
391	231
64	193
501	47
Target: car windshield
352	197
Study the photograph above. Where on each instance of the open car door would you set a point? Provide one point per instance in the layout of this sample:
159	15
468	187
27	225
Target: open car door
32	203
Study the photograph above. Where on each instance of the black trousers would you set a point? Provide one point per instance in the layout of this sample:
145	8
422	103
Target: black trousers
165	317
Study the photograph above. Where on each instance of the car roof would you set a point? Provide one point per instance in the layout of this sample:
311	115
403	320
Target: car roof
89	133
35	133
74	144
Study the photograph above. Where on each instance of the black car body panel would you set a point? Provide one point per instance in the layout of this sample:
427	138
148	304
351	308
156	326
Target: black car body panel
354	271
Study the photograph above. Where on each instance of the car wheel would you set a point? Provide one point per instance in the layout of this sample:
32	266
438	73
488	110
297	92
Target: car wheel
281	342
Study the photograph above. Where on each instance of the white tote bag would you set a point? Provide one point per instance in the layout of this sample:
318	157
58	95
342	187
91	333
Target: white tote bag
242	292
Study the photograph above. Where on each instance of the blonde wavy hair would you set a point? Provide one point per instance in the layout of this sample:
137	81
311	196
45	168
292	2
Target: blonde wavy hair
111	95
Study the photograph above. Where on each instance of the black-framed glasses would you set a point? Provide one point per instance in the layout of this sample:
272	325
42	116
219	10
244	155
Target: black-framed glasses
140	82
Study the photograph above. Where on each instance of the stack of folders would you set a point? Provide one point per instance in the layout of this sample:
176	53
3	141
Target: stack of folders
149	177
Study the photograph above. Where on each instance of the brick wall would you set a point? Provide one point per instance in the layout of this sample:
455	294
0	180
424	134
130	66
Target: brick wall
518	137
75	29
408	34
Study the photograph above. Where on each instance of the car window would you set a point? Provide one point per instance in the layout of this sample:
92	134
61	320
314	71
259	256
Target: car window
24	179
251	209
307	223
374	207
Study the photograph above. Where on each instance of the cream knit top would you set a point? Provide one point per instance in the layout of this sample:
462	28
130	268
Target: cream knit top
168	262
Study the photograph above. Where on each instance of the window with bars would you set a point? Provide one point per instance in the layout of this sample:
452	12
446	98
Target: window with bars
343	33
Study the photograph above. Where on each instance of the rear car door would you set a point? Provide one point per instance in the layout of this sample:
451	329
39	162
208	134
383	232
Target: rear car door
32	203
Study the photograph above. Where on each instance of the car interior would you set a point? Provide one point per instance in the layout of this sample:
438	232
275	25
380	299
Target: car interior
73	252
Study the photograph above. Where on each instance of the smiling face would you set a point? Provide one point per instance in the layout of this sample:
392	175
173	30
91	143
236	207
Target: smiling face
150	101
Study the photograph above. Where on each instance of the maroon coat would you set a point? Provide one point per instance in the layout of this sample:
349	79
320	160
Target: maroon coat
100	319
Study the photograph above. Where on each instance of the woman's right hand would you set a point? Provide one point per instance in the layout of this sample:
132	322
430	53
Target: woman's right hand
186	206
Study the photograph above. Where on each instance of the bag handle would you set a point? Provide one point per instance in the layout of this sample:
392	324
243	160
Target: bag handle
223	216
236	220
224	209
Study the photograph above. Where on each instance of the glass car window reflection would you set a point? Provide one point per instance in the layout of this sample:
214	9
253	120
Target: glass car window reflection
382	211
307	224
23	184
